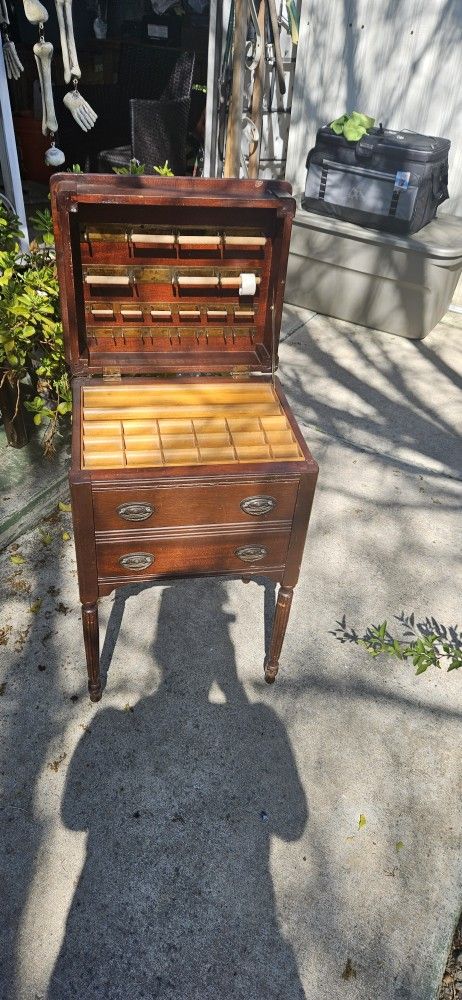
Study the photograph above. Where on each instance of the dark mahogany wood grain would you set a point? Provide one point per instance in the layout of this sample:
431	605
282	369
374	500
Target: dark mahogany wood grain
281	617
261	206
91	640
184	505
197	526
189	553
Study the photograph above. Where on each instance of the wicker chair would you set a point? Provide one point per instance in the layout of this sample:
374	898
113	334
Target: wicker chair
159	132
158	127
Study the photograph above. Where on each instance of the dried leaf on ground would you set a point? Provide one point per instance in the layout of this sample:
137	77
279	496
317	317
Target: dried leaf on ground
349	971
55	764
21	639
5	633
18	585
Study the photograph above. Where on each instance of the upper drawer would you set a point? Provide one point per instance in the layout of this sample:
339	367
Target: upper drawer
180	506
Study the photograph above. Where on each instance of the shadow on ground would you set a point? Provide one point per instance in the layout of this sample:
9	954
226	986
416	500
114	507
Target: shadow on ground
180	801
386	394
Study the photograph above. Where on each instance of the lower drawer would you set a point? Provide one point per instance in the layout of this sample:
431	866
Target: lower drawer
236	553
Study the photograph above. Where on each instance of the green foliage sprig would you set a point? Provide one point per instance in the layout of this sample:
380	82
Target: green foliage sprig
10	233
352	126
31	334
427	643
164	171
137	168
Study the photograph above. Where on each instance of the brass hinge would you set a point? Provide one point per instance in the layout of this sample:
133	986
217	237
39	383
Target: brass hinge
112	374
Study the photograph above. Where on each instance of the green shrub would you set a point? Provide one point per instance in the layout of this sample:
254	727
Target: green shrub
31	334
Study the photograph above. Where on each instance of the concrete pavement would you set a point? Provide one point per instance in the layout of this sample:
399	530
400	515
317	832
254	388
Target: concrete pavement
196	835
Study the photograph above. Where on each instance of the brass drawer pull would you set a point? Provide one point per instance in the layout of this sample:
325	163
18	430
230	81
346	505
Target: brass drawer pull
136	560
135	511
251	553
258	505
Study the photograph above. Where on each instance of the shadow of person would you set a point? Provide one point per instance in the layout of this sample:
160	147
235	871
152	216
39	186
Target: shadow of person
181	797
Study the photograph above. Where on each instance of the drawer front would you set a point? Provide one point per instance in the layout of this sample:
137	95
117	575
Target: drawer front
238	552
158	507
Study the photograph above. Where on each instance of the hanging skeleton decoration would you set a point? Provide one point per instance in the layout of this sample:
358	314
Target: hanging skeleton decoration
13	64
37	14
66	34
80	110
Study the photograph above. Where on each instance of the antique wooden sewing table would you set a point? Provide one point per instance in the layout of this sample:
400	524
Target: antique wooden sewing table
186	458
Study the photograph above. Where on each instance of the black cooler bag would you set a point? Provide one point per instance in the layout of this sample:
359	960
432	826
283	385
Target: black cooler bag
387	180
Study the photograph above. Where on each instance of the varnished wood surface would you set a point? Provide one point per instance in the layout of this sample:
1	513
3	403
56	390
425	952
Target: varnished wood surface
190	555
171	424
281	617
179	476
129	253
185	505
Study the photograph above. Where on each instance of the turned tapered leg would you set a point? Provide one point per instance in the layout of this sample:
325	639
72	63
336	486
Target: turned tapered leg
91	639
281	617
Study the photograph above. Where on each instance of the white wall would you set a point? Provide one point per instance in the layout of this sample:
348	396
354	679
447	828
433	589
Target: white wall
397	60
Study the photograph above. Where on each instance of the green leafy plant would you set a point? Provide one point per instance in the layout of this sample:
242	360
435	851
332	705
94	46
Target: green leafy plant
43	225
164	171
138	168
427	643
31	335
134	167
352	126
10	233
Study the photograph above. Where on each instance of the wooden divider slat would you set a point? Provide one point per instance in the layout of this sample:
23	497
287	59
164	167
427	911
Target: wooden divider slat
186	395
151	412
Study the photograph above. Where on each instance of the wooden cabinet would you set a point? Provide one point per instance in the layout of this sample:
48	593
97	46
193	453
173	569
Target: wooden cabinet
186	458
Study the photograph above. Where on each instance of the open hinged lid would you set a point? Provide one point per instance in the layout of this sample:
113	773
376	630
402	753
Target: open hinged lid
171	274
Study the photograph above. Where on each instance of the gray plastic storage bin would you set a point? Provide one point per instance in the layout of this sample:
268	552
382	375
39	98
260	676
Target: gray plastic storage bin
400	284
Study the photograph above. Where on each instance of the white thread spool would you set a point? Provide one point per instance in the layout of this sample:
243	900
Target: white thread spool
248	284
